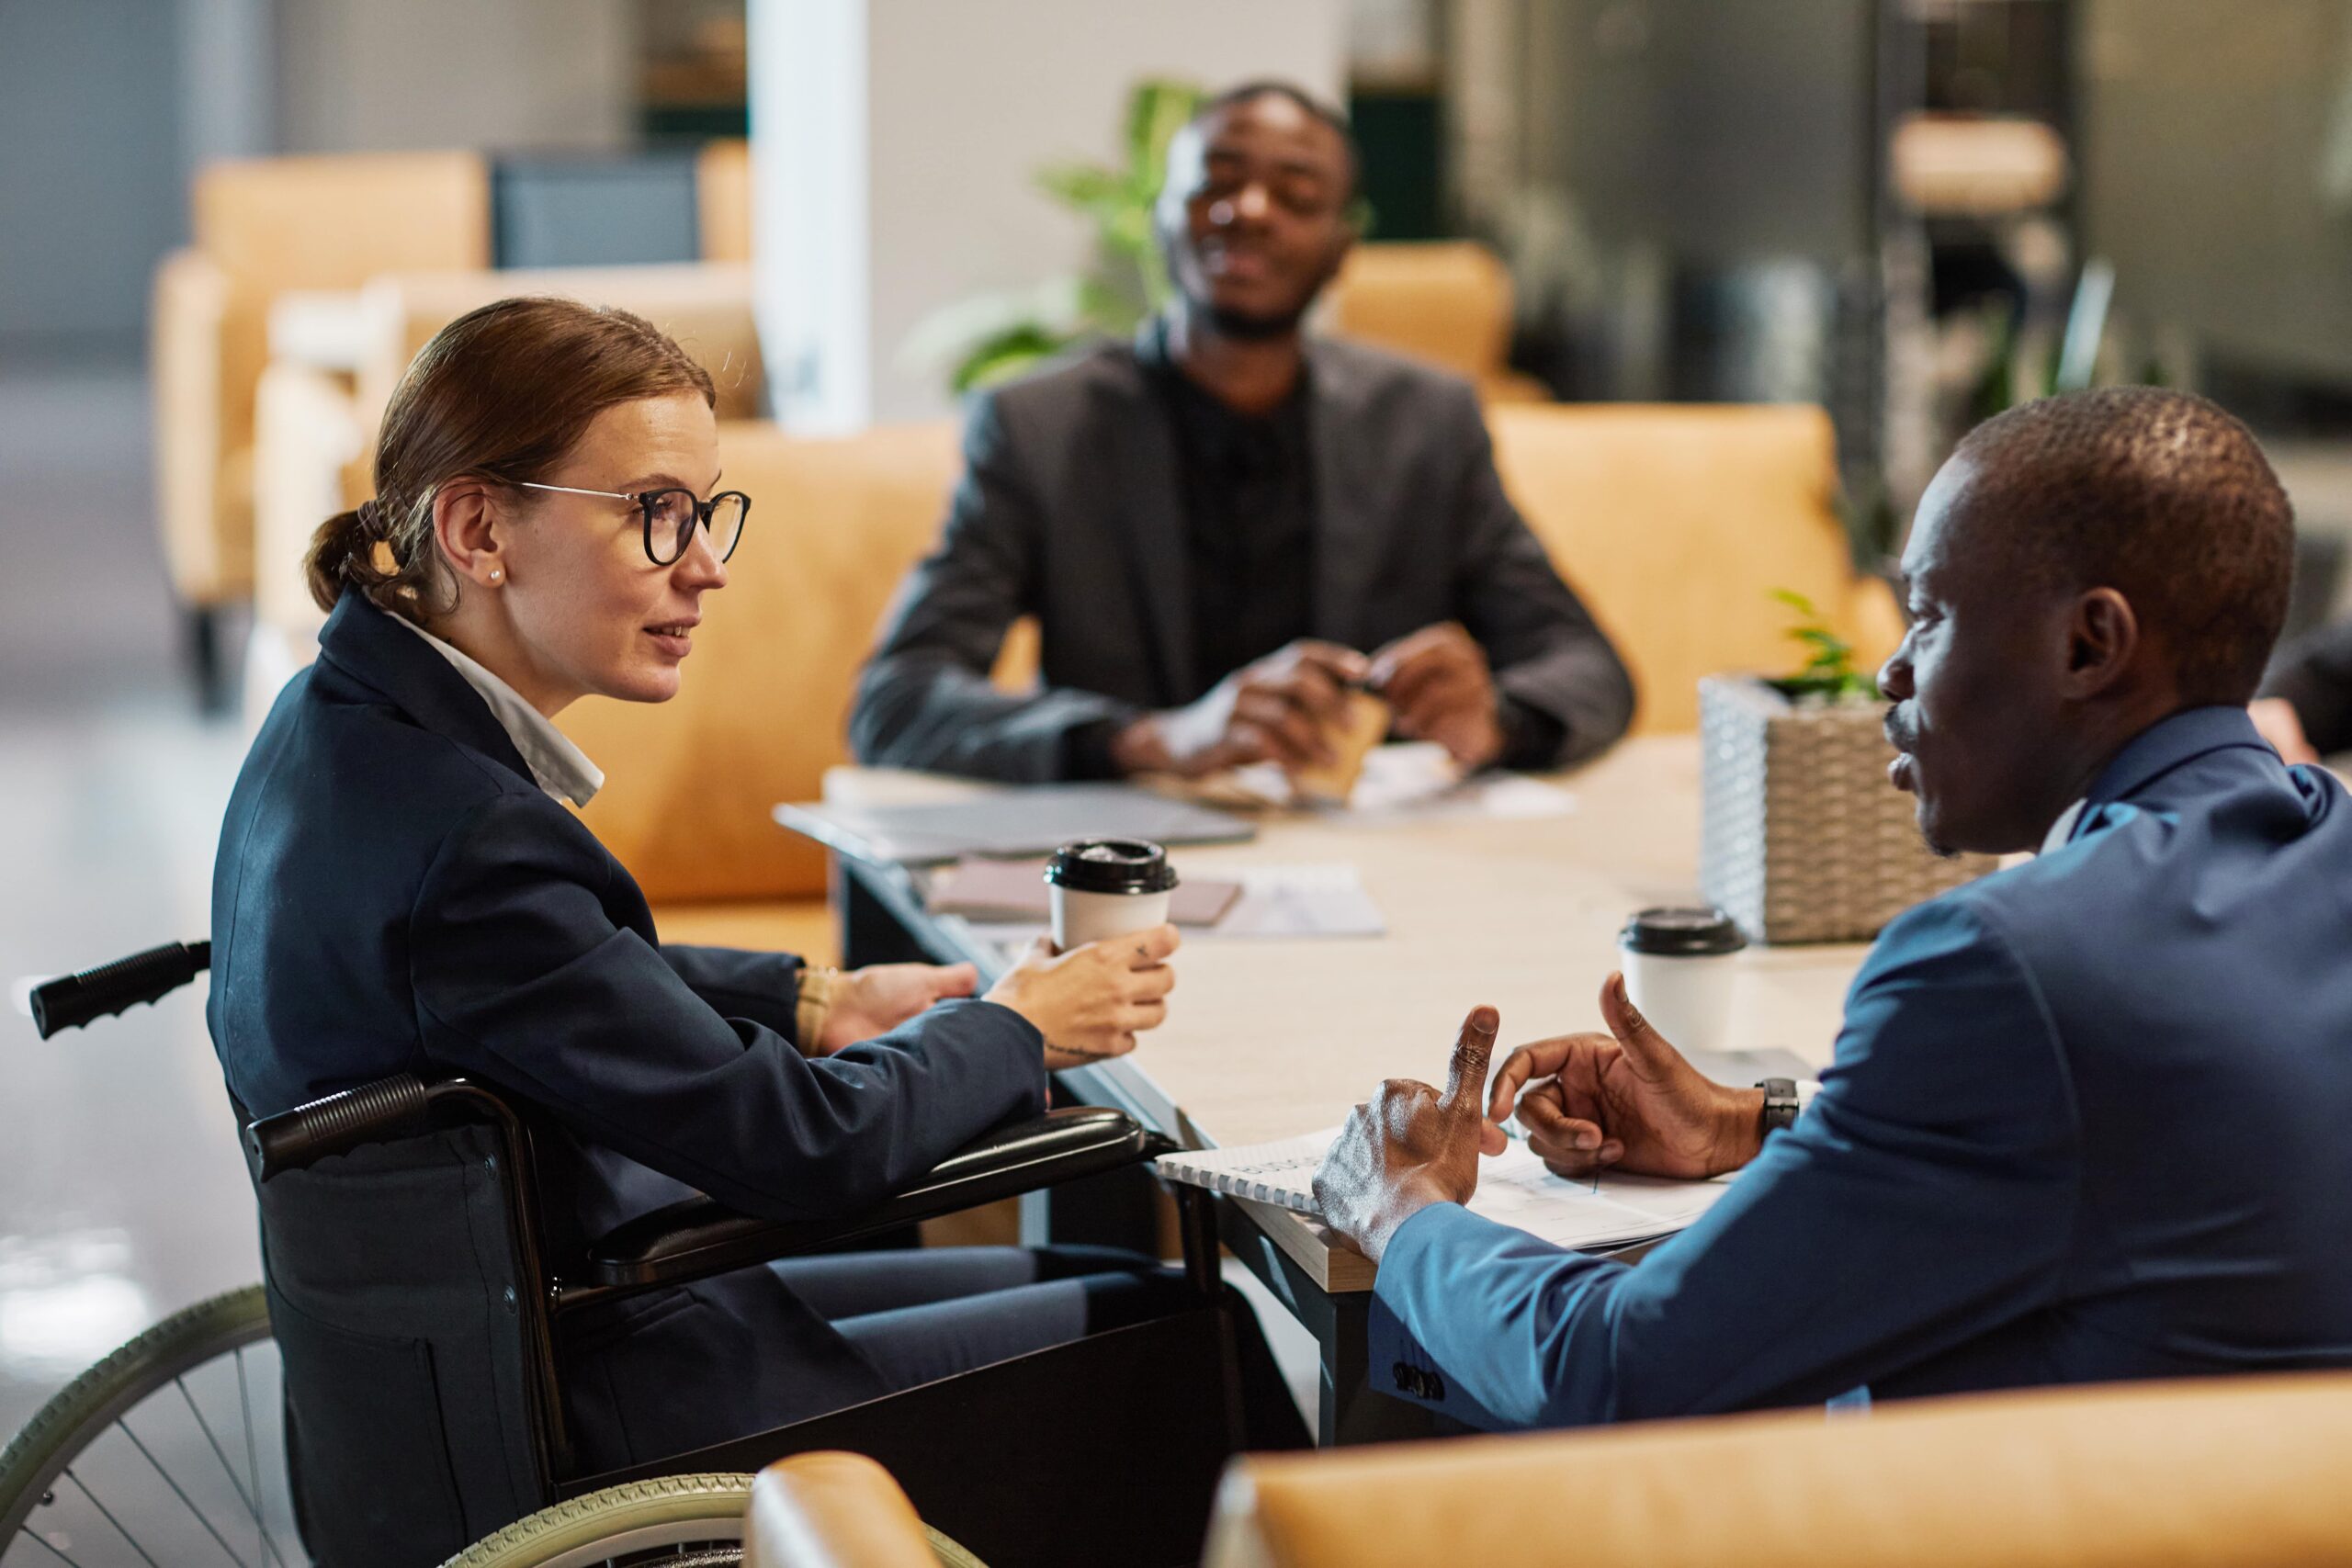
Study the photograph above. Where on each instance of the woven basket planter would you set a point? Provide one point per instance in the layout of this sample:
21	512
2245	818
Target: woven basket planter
1801	837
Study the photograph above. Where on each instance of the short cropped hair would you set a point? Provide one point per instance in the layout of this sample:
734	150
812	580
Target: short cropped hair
2160	495
1270	87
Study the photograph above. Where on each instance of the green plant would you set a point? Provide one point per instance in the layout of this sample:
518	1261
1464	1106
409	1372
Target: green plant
1828	673
984	340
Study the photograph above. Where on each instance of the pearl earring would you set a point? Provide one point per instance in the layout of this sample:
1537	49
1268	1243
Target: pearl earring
498	574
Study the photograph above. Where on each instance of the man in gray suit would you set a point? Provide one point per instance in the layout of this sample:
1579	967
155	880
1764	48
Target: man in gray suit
1225	526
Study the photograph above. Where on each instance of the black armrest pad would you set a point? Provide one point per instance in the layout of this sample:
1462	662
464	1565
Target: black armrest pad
700	1237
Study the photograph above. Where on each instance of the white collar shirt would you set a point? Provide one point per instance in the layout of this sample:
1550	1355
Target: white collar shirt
557	766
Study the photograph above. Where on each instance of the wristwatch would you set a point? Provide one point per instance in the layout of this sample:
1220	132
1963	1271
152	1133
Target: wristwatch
1780	1106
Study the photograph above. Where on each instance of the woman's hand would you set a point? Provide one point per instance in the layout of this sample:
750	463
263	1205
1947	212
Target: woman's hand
877	998
1091	1002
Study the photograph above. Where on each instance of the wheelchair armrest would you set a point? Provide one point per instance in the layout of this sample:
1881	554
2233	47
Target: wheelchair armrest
701	1237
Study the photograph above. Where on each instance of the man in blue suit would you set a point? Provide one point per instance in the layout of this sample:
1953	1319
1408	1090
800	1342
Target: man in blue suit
2091	1118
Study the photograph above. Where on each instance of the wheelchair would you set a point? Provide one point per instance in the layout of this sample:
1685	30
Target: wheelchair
176	1448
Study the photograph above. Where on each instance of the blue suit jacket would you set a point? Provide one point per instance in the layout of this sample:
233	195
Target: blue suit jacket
2091	1118
395	892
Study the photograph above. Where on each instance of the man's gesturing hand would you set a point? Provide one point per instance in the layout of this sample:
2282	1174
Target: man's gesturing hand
1627	1100
1411	1146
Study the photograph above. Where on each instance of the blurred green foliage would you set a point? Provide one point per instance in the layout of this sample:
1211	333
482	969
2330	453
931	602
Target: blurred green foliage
985	341
1828	673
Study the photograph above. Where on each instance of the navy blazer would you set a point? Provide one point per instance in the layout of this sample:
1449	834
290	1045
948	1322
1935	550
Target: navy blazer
2090	1119
394	893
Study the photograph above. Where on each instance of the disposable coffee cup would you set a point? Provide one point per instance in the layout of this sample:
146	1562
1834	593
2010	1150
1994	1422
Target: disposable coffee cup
1679	964
1362	725
1107	887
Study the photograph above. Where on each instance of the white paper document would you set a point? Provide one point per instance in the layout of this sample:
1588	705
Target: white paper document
1302	901
1513	1190
1414	783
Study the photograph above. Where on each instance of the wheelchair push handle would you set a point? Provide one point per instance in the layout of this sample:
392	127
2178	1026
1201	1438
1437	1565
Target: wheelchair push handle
390	1107
73	1000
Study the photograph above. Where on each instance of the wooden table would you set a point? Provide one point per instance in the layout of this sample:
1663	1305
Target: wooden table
1270	1039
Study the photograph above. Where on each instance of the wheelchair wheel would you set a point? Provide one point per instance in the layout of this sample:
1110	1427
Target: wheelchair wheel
676	1519
171	1451
679	1521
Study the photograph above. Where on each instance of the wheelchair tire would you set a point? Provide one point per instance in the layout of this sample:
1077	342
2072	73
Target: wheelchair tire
677	1520
669	1514
87	1408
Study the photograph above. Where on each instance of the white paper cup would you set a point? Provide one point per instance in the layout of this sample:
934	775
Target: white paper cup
1680	968
1080	918
1106	887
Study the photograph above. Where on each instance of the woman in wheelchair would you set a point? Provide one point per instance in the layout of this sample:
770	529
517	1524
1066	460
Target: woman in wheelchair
400	887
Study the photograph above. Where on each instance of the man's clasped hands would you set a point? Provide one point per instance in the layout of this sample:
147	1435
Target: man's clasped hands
1288	708
1625	1101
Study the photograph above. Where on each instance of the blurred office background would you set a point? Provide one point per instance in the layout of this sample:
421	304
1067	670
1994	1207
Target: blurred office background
1909	212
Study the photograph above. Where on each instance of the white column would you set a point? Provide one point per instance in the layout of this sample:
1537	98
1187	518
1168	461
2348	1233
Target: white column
896	145
811	239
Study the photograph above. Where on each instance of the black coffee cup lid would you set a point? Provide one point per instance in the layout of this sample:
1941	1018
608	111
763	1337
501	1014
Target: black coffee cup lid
1689	933
1111	865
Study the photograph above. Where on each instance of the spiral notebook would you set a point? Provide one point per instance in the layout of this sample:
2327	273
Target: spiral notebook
1513	1190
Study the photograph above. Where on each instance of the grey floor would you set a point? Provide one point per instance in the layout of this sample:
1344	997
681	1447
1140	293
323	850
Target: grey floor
121	1195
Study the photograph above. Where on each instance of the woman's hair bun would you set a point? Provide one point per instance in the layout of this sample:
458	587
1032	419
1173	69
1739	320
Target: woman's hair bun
339	553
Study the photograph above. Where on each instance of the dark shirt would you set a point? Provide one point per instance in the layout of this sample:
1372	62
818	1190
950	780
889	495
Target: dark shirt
1249	502
1246	487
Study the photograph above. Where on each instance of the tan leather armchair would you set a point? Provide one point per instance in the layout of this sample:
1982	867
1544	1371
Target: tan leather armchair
2225	1473
723	200
262	228
1676	523
839	1510
1447	302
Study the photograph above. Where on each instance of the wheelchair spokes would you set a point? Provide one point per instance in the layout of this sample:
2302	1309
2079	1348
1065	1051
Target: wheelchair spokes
178	1457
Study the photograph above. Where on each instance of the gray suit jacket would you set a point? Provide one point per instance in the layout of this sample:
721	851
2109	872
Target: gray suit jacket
1070	510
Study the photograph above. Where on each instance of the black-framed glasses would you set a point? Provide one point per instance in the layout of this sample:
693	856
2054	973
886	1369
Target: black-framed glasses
671	516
